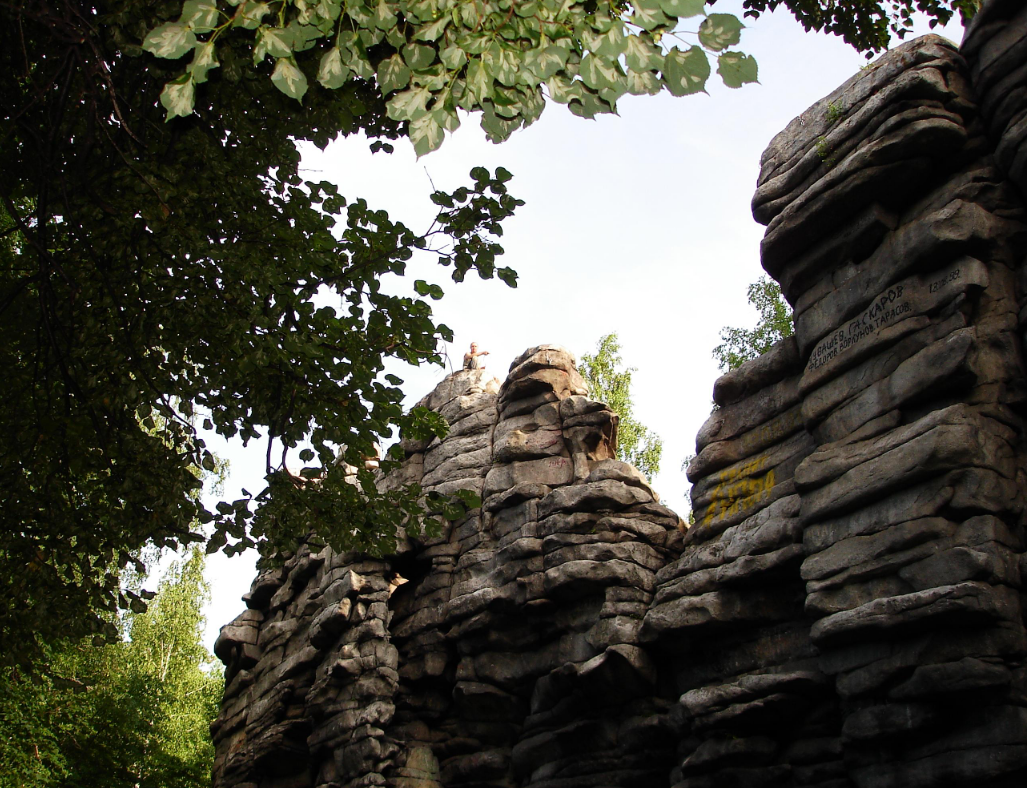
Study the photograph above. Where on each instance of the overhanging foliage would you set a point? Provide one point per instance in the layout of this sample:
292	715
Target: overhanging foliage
156	277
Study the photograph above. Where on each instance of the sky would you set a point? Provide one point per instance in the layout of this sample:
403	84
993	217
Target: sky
637	224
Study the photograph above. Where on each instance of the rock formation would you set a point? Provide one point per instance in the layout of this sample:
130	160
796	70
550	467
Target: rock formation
504	651
846	611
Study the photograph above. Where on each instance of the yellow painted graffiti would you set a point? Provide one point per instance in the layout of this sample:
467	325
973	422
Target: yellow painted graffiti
732	497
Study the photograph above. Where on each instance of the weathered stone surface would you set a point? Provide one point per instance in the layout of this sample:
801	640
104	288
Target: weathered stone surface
534	435
941	364
778	363
946	439
746	414
901	304
995	50
593	496
844	555
854	241
721	454
787	162
551	471
962	603
457	448
958	229
818	404
543	371
739	491
897	161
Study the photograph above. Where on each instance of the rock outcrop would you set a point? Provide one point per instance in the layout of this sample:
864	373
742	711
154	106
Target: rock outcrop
866	475
846	611
504	651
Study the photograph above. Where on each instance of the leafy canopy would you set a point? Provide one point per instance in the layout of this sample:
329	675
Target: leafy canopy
609	382
131	714
431	58
775	323
868	25
157	279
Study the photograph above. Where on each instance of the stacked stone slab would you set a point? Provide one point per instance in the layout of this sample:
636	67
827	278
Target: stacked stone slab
847	608
875	460
503	652
996	50
727	623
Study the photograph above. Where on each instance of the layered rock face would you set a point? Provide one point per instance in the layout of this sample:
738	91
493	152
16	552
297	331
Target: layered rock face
504	652
847	609
853	607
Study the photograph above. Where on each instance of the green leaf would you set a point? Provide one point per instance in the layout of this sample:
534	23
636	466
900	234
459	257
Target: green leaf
507	102
250	14
474	43
418	57
274	41
396	37
526	8
544	63
446	118
590	105
409	104
200	15
306	455
353	56
466	14
419	10
497	128
304	36
383	16
479	83
682	8
719	31
648	15
289	79
602	22
426	134
563	90
599	74
171	41
393	74
737	69
469	498
643	83
329	9
641	54
178	96
685	73
332	73
501	64
532	104
611	44
204	59
435	78
431	32
453	57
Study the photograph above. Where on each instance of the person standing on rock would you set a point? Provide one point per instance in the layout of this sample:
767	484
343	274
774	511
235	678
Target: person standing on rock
472	360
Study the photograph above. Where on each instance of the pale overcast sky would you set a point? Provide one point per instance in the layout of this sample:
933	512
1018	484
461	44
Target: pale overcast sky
637	223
